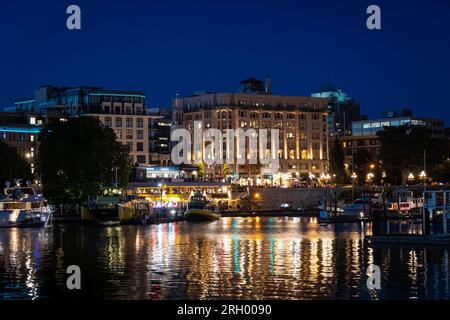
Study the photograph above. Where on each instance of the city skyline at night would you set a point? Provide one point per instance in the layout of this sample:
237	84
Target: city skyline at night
165	48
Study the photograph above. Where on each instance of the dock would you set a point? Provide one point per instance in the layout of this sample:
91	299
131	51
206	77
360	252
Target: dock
406	239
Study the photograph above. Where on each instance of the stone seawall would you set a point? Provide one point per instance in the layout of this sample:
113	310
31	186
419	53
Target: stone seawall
273	198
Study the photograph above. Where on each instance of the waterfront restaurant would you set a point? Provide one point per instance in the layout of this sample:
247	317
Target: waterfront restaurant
178	194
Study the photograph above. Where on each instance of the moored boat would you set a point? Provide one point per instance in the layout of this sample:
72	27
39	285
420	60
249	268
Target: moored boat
102	209
362	206
202	215
22	206
200	209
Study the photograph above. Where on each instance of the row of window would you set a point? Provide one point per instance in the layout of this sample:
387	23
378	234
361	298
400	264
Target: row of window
128	122
280	104
15	136
254	115
129	134
97	99
138	146
360	143
125	110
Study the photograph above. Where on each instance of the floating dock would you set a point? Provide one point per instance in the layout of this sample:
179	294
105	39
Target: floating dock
406	239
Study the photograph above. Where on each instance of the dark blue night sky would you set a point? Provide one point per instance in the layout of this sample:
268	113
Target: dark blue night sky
165	47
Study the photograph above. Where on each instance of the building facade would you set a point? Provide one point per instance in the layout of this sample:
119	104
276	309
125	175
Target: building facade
122	111
365	132
343	109
302	123
351	144
21	131
395	119
159	136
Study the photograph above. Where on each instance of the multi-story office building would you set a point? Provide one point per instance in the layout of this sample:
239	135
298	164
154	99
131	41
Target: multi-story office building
123	111
394	119
351	144
159	135
365	132
302	121
342	110
21	131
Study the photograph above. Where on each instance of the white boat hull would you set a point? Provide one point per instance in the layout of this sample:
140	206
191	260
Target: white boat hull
23	218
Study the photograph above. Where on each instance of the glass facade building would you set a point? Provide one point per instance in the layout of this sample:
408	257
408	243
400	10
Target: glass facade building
371	127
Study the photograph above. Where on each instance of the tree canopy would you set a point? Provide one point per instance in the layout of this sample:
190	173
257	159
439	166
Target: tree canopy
361	164
402	152
12	165
78	157
337	162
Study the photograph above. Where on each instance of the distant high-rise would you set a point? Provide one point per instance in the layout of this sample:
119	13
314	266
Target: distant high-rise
342	110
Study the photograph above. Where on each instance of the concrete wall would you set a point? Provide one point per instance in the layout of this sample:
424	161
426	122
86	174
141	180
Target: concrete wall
272	198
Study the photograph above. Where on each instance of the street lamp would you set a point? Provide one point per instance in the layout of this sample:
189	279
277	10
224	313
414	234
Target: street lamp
422	175
369	176
354	176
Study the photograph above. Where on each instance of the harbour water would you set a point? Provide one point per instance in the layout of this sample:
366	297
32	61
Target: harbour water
233	258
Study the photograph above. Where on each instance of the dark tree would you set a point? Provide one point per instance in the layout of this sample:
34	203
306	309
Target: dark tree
402	151
438	159
78	157
12	165
361	164
337	162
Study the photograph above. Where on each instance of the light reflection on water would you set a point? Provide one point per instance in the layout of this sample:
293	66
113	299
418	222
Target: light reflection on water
244	258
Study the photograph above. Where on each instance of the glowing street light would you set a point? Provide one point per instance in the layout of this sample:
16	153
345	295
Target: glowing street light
354	176
411	176
422	175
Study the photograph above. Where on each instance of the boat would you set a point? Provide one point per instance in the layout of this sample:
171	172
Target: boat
102	209
135	211
361	206
113	208
200	209
100	214
403	201
22	206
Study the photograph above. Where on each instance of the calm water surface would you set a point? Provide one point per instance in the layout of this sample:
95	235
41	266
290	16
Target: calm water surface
243	258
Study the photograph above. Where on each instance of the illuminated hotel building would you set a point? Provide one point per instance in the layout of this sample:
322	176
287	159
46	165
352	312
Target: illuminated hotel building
302	122
122	111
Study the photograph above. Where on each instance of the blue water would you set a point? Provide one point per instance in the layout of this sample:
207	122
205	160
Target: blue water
241	258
